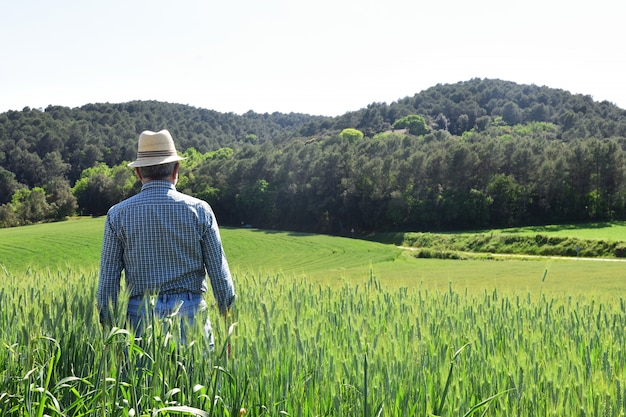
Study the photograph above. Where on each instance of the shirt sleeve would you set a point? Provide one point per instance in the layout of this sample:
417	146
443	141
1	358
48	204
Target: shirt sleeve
217	266
111	265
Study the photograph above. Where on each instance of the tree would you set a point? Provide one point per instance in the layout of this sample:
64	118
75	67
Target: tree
8	185
463	123
100	187
507	201
512	114
351	135
251	202
27	167
54	167
8	217
30	205
476	209
414	123
62	202
96	196
221	154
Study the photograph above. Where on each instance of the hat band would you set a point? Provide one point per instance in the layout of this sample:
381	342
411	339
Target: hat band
153	154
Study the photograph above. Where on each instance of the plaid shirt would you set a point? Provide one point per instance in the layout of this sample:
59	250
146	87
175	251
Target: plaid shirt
166	242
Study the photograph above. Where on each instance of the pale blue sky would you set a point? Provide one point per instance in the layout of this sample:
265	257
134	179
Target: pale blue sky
323	57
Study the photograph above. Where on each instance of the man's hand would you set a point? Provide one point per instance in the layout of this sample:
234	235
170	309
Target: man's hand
225	315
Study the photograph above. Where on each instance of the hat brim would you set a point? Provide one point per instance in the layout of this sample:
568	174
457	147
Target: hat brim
145	162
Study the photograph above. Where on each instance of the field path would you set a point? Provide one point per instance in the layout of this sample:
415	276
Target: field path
565	258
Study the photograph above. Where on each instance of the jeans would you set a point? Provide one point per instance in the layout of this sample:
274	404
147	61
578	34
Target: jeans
186	308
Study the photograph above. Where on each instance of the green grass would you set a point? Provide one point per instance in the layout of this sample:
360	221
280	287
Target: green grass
325	326
329	260
596	240
57	246
298	254
599	230
76	243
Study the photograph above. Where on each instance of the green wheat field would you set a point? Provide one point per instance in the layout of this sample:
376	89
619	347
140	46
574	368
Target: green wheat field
323	326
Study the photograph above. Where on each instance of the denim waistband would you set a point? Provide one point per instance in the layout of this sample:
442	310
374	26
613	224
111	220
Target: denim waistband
185	303
185	295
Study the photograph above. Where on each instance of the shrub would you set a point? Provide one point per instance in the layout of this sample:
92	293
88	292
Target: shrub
620	250
541	239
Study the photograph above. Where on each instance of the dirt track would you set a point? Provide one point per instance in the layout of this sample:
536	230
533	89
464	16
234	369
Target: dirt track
565	258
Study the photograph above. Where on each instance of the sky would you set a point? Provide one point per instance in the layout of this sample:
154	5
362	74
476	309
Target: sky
322	57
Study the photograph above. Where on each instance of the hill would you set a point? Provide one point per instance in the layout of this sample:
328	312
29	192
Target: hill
489	153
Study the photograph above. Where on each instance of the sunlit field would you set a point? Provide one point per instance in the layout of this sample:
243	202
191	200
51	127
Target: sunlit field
322	326
598	230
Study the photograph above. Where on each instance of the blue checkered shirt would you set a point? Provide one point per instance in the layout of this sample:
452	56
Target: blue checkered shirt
165	242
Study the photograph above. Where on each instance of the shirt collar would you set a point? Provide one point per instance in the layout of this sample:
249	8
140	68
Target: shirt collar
157	184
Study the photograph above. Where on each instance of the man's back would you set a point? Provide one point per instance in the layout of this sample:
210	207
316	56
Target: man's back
161	231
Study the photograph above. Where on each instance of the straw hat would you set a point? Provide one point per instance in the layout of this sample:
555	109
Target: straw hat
155	148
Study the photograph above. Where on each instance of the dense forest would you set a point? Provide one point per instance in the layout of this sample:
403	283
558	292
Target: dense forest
475	154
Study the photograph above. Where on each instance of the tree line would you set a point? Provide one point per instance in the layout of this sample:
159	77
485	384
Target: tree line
505	176
482	153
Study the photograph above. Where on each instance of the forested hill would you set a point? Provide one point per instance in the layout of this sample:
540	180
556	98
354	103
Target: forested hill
473	154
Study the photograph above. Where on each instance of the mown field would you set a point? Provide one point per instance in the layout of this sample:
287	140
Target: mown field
324	326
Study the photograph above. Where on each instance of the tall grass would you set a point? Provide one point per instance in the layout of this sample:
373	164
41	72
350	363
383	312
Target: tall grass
300	348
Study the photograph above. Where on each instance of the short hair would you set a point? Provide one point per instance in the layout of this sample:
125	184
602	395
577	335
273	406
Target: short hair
158	172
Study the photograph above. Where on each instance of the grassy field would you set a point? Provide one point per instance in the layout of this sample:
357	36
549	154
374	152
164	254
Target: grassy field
324	326
75	245
597	240
57	246
598	230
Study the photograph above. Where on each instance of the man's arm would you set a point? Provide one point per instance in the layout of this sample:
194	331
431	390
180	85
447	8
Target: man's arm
111	265
217	267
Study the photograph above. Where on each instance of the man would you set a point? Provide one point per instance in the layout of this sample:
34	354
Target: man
165	242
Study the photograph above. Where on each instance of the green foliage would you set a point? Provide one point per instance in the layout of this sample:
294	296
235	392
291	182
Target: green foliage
388	136
8	216
62	202
8	185
221	154
415	123
537	130
351	135
195	158
30	205
208	193
452	246
500	154
101	186
512	114
252	200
